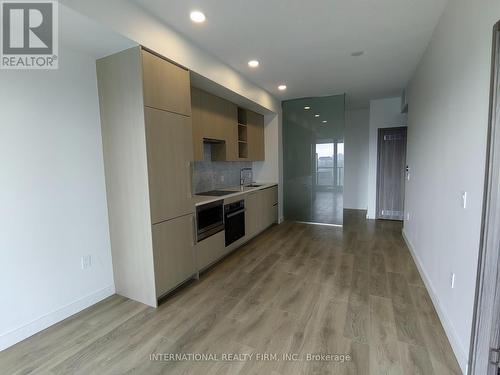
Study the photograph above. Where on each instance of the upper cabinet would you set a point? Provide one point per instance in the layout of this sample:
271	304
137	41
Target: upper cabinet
215	120
166	86
169	154
255	136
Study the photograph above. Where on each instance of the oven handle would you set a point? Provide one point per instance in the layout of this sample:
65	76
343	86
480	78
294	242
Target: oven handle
235	213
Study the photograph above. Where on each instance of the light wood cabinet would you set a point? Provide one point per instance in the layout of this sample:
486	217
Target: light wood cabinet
166	86
169	149
270	206
255	136
230	125
253	213
261	210
214	119
145	106
174	259
209	250
196	116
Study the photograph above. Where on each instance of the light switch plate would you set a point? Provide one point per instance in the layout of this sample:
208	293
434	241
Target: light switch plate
86	262
464	199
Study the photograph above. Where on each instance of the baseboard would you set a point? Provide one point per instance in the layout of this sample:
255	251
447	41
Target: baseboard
459	351
16	335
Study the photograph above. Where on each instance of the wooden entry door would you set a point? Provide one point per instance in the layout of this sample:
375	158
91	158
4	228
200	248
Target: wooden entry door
391	171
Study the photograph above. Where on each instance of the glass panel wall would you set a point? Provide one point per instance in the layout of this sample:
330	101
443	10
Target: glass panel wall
313	159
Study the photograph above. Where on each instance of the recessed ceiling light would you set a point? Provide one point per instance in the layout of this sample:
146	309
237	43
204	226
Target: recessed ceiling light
197	16
357	53
253	63
316	115
324	121
307	107
282	87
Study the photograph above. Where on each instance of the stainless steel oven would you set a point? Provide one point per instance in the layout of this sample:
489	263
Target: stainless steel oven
234	218
209	219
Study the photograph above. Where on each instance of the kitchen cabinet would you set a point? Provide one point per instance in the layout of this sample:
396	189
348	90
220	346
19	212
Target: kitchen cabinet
146	126
253	206
209	250
174	259
166	85
239	132
261	210
269	206
214	120
196	116
255	136
169	152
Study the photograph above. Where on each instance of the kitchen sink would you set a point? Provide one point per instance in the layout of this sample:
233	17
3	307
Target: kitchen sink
253	185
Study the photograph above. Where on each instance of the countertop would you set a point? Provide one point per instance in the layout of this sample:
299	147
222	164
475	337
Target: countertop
202	199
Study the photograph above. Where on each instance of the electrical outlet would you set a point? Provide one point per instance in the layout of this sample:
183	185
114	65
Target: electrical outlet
222	178
407	216
452	280
86	262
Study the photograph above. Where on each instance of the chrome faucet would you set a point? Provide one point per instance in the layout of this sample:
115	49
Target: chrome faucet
242	175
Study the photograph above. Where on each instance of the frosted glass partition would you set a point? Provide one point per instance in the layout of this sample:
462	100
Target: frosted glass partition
313	160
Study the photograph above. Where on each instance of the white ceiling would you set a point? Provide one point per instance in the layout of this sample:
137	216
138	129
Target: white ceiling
308	44
81	33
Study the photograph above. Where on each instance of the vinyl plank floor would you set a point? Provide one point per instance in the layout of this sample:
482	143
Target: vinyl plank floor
296	289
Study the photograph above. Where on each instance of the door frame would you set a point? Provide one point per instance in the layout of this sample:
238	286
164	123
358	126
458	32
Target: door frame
485	328
379	144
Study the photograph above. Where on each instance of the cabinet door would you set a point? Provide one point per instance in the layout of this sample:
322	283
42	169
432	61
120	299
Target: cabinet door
270	209
274	204
166	86
255	136
170	152
217	119
209	250
211	116
173	242
252	214
230	124
196	116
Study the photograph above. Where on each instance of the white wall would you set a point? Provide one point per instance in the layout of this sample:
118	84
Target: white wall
384	113
448	118
356	159
52	197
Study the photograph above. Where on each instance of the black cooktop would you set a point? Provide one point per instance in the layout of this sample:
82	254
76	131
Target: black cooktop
216	193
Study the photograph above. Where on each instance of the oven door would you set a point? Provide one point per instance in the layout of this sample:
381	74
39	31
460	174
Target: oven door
234	224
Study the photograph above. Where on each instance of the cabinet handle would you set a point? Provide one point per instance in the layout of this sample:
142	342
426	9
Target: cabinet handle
190	179
193	231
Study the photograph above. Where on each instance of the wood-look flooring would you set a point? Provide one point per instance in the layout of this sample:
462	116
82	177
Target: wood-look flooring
294	289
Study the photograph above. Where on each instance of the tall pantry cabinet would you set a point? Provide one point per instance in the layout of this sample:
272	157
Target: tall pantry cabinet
145	106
